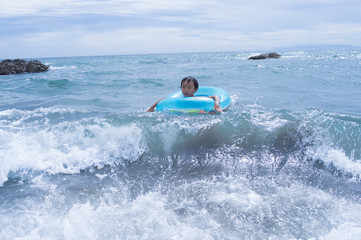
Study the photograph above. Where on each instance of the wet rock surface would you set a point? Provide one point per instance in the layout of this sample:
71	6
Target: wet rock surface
20	66
265	56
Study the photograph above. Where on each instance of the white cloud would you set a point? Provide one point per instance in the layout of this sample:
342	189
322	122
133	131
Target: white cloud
11	8
96	27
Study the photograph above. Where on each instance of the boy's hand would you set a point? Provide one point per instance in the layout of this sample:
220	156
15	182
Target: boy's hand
151	109
216	103
217	108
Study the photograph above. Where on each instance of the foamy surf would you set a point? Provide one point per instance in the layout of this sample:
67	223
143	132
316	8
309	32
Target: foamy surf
80	158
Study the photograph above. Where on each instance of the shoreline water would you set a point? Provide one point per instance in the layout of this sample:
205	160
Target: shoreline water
80	157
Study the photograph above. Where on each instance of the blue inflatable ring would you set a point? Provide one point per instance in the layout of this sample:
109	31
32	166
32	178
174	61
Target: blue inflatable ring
176	102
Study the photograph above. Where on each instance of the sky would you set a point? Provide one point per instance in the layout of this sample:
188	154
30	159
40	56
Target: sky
61	28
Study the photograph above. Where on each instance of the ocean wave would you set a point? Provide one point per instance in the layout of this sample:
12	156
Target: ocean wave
68	141
215	208
66	147
337	159
62	67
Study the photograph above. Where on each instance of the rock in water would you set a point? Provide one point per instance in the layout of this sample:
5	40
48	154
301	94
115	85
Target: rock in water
20	66
35	66
265	56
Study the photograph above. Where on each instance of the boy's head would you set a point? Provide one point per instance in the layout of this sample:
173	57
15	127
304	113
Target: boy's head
189	86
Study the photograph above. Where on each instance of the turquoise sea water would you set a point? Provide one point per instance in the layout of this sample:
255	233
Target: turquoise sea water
81	159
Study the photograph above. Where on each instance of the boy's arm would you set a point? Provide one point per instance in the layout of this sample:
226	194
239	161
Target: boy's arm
216	107
151	109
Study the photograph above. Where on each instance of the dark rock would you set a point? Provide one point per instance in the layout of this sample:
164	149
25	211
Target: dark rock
20	66
35	66
265	56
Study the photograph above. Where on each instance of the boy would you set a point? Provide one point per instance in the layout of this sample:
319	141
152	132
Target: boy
189	86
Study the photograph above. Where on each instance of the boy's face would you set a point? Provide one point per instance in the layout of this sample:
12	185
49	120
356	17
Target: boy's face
188	88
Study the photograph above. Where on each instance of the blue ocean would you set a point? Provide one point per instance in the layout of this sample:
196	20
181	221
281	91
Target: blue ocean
80	158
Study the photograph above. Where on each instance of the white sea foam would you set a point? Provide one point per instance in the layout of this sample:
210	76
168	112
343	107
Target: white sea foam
269	121
63	67
237	194
6	112
348	230
67	148
326	132
230	208
147	217
336	158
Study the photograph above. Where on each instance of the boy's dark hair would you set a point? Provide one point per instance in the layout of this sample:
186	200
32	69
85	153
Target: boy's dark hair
190	79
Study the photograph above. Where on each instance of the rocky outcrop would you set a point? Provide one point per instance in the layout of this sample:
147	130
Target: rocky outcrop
20	66
265	56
